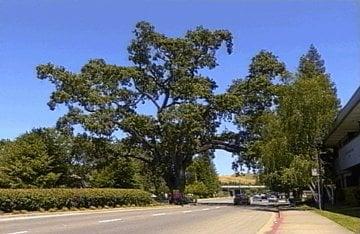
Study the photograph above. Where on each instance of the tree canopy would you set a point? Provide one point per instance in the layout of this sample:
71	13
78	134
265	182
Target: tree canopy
259	94
35	159
294	132
165	77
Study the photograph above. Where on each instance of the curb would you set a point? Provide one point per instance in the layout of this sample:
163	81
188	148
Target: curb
267	227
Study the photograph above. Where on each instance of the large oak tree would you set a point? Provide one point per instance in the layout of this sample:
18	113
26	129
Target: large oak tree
163	108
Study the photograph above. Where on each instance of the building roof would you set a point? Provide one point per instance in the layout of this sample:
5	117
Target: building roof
348	120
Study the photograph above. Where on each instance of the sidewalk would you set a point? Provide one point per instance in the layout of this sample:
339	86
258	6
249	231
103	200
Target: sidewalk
301	222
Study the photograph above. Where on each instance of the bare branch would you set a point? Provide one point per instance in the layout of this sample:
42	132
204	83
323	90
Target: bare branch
151	98
166	99
218	144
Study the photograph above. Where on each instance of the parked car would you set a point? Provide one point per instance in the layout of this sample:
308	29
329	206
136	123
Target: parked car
272	198
256	198
241	199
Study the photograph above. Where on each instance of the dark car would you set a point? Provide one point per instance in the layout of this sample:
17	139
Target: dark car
241	199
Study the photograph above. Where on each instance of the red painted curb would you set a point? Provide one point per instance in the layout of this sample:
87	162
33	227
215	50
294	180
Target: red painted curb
277	224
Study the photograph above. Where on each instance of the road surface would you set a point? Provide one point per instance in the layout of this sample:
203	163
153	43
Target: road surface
187	219
220	201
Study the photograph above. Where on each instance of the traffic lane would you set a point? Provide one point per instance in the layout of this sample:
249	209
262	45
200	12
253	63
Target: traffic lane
164	222
205	220
225	220
26	223
184	220
223	200
208	220
10	224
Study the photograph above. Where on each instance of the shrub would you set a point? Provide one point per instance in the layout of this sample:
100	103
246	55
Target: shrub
36	199
197	188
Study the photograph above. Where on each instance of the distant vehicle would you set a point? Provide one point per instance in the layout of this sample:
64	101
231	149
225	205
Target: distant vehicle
273	198
256	198
241	199
259	197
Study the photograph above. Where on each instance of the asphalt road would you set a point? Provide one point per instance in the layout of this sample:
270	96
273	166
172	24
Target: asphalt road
190	219
221	201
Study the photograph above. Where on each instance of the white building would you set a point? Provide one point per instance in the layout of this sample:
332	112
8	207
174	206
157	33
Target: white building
345	139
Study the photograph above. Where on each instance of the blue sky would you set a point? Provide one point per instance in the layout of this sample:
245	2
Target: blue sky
69	32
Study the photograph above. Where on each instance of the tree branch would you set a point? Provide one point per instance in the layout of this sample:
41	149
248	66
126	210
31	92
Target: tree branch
136	157
166	99
218	144
151	98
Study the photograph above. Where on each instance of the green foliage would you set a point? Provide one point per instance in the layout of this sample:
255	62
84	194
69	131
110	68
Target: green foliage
119	174
26	163
311	63
258	92
294	132
293	176
47	158
95	162
202	179
104	99
58	147
36	199
148	179
198	188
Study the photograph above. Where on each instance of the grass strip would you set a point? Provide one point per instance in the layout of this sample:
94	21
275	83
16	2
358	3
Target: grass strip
349	222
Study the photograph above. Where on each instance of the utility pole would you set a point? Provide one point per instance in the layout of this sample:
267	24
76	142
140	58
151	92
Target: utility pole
319	180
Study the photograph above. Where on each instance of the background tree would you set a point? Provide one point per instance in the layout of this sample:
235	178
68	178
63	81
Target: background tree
202	178
58	147
259	94
26	162
294	133
96	163
46	157
120	173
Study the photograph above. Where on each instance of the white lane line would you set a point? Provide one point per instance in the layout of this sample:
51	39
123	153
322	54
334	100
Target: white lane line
206	209
20	232
78	213
35	217
159	214
218	207
187	211
198	210
109	220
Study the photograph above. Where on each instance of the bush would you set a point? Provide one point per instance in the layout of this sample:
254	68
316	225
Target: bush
36	199
198	188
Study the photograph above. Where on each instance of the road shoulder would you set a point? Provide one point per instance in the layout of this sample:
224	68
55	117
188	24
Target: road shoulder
269	225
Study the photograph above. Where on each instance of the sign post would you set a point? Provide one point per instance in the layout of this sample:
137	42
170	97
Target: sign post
319	180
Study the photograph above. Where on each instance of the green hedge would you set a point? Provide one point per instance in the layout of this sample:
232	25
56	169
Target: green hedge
36	199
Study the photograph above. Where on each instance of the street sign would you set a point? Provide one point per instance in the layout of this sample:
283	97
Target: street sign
314	172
